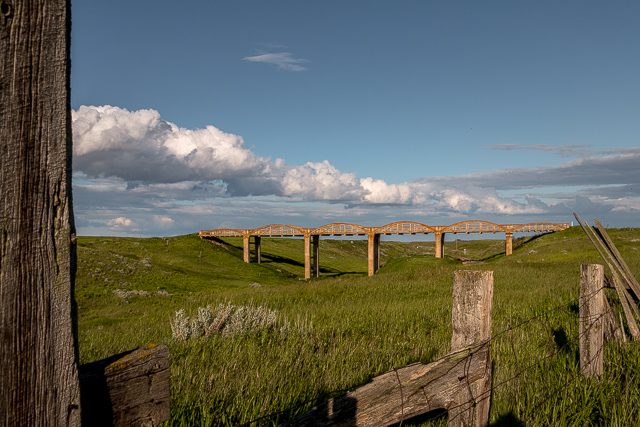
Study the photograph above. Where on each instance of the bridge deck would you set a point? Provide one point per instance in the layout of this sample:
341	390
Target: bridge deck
373	236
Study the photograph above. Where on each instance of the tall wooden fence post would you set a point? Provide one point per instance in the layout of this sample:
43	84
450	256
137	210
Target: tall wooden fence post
592	315
471	322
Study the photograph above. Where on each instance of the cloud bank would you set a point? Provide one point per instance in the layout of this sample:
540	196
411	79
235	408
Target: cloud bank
135	173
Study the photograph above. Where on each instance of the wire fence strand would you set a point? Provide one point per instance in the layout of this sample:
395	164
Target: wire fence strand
486	394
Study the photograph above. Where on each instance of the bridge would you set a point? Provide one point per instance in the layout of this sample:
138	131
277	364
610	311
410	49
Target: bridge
312	237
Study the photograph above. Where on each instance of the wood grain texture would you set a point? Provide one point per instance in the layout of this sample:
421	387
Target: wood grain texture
405	393
38	351
471	316
460	382
592	310
128	389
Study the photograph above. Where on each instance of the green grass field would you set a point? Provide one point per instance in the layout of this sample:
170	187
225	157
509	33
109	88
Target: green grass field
348	327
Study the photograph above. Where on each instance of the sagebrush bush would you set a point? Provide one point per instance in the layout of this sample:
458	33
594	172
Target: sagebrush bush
229	320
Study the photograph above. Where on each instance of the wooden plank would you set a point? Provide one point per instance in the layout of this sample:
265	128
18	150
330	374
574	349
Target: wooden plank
623	296
621	264
459	382
408	392
128	389
611	328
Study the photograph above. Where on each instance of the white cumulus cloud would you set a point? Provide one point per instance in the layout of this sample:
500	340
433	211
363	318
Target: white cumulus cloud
140	146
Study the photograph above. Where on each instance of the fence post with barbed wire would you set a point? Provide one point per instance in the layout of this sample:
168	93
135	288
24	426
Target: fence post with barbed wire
592	316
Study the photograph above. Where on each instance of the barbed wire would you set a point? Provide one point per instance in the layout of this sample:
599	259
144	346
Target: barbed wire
486	394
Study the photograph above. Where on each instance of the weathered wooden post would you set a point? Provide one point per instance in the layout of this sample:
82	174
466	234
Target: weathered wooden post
592	315
459	382
39	384
471	321
38	323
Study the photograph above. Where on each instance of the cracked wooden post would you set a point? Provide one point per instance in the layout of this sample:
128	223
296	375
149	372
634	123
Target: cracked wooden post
508	246
38	313
471	322
592	315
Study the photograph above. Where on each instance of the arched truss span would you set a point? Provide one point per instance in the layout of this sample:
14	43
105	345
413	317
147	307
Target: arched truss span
340	229
373	233
536	226
405	227
222	232
279	230
472	227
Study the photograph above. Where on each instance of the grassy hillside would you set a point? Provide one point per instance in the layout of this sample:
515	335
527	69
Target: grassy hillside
346	327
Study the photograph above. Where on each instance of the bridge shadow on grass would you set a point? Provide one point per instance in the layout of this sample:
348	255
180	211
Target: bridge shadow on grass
268	259
324	271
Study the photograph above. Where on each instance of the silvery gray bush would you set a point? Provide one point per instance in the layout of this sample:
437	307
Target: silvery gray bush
228	320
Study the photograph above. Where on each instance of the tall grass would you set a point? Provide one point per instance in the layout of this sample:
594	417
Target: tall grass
362	326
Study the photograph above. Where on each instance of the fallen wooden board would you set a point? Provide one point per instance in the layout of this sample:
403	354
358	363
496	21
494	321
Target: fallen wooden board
619	260
407	392
623	296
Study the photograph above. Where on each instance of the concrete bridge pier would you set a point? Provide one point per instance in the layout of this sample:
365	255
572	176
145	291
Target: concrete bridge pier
307	256
257	246
439	245
315	270
508	250
311	256
246	249
373	258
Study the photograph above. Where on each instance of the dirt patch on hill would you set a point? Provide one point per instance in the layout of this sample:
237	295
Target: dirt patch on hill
469	261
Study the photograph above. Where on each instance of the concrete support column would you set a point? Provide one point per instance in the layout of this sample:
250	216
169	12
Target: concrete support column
508	247
316	255
307	256
373	253
246	248
257	241
376	252
439	245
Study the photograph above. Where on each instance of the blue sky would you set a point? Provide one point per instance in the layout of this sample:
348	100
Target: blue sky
200	115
